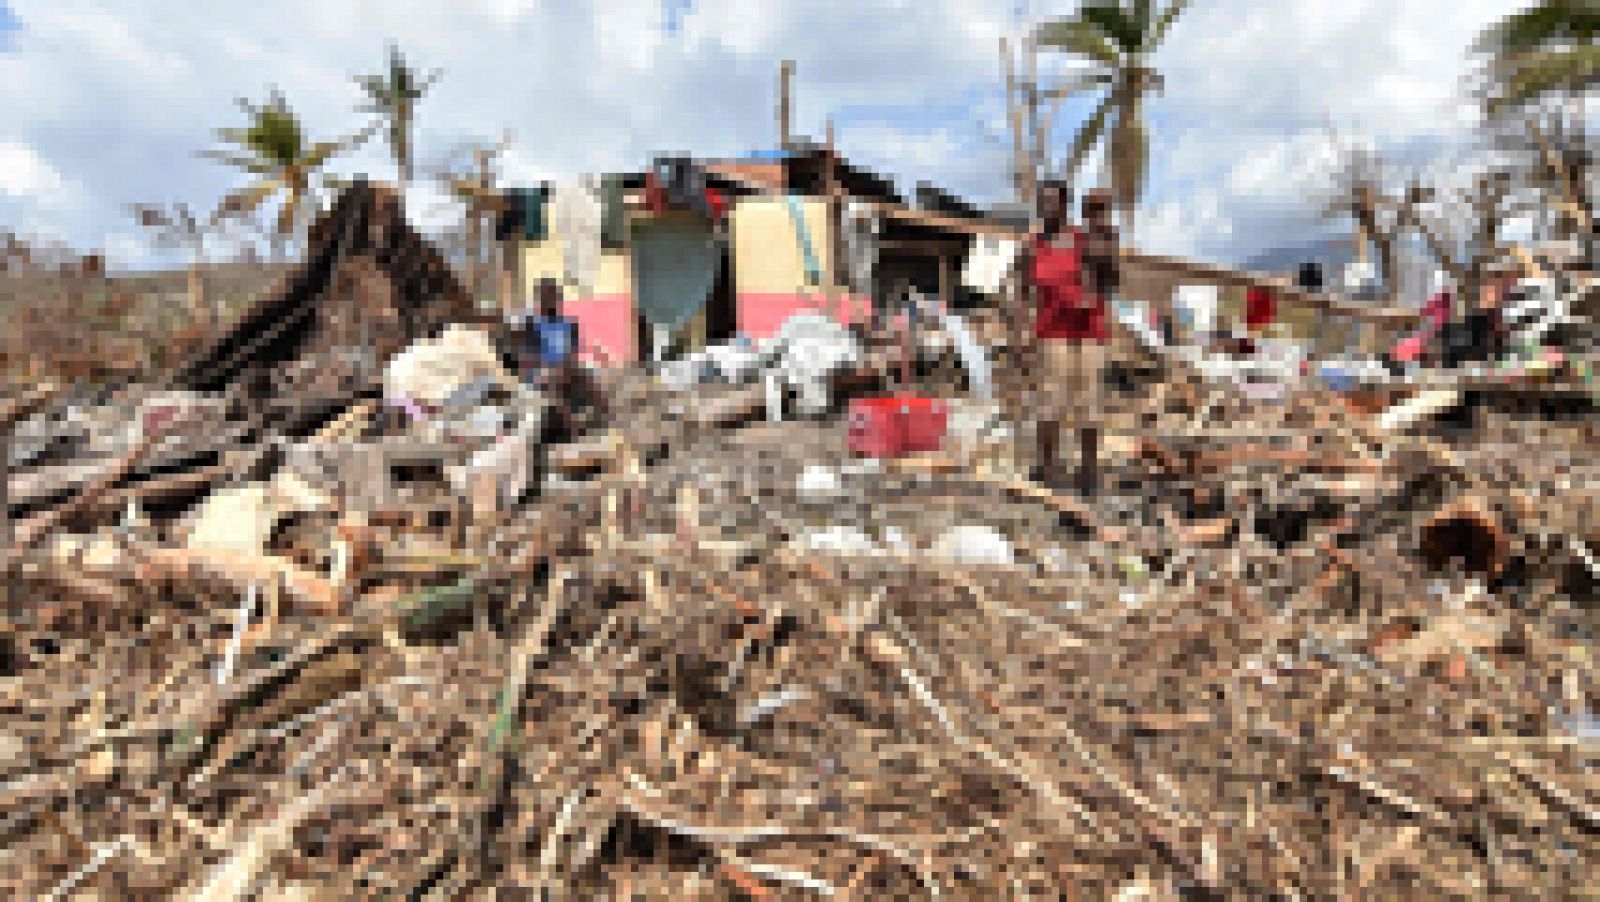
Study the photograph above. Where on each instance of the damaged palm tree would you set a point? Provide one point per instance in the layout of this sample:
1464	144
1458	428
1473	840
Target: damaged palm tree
393	97
1116	38
286	163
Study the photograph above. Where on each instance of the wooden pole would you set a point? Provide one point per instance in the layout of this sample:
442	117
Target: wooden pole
785	76
1035	149
836	223
1014	115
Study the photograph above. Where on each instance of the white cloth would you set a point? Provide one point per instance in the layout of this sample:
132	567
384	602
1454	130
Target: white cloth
813	347
579	211
1197	307
430	370
989	260
971	354
862	228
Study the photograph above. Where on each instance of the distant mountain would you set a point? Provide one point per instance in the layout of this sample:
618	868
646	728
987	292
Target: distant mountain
1333	253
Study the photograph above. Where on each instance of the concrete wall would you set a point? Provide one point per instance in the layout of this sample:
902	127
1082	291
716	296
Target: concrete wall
769	267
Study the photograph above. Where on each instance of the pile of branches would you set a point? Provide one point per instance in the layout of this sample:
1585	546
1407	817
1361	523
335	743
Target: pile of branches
636	721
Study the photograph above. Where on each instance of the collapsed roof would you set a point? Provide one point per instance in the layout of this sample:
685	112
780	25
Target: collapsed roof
364	235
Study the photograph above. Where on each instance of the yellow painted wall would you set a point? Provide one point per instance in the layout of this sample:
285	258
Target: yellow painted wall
541	259
766	252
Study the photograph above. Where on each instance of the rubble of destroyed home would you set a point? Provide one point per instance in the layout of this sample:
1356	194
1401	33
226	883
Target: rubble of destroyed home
721	567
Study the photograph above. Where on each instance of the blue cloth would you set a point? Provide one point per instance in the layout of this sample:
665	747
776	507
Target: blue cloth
798	214
551	340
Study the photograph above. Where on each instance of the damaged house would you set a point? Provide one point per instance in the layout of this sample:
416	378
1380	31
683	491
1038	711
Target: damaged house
691	252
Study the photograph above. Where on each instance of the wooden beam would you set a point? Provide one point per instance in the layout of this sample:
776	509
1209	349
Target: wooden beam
785	77
938	221
926	246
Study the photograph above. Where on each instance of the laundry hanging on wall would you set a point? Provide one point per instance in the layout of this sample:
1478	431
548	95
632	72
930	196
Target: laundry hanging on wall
862	227
989	261
525	216
675	263
614	224
578	207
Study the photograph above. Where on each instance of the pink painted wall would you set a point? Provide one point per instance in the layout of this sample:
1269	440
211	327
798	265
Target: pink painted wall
761	314
605	321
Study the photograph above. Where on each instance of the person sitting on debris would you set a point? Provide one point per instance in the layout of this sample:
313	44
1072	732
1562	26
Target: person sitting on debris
1480	335
1071	274
550	361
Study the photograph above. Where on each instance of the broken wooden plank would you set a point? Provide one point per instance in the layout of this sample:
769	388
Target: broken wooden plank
738	406
239	569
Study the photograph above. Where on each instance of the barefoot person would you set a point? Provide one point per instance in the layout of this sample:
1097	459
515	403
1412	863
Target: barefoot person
1069	274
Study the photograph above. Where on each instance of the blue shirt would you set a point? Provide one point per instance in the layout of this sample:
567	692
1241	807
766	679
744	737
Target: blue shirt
551	340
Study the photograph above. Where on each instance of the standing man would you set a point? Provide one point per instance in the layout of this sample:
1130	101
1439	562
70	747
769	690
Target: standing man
1070	274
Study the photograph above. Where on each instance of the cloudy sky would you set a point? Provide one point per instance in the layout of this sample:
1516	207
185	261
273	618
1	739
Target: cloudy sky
103	102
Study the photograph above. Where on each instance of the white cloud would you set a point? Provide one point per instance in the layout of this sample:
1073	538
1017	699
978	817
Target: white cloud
111	97
26	176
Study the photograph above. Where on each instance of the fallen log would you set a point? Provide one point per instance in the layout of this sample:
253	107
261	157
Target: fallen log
1468	531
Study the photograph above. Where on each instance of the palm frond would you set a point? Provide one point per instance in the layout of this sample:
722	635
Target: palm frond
1546	22
320	153
1088	135
1077	37
1163	24
1116	23
1529	76
250	164
248	199
1140	13
1076	86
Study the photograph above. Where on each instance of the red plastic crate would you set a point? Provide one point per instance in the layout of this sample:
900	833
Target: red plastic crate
925	420
876	427
891	427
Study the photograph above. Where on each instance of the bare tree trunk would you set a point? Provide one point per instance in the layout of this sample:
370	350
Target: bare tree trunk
1019	163
1036	151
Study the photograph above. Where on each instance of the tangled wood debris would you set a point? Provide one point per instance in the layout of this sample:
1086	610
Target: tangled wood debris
1303	655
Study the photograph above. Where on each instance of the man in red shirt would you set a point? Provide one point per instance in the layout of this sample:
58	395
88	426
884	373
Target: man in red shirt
1069	274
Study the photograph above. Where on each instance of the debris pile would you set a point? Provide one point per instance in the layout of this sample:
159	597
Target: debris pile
367	631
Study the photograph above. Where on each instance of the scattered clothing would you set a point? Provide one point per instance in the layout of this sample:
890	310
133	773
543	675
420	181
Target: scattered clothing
989	261
614	216
579	210
1260	307
525	214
